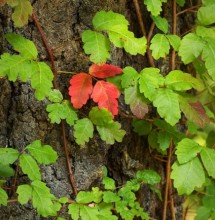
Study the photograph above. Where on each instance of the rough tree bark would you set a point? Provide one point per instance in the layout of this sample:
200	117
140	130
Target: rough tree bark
23	119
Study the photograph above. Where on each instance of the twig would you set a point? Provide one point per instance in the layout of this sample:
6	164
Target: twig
48	50
143	30
171	197
15	179
68	159
134	117
56	86
188	9
173	56
168	169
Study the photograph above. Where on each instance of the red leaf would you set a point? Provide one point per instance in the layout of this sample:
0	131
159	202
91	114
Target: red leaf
80	89
105	94
104	71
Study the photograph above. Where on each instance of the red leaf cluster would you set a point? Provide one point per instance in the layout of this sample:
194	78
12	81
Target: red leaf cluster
104	93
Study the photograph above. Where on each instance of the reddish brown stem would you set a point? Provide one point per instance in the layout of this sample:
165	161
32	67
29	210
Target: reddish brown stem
15	179
56	86
68	159
168	169
143	30
173	57
51	57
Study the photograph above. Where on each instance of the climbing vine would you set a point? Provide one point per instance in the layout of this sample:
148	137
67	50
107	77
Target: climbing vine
175	95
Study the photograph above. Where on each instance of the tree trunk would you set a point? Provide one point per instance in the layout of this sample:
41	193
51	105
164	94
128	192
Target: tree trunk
23	119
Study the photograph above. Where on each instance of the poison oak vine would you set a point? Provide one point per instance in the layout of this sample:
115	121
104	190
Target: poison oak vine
171	94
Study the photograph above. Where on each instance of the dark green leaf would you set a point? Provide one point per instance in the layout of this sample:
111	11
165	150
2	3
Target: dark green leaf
148	176
141	127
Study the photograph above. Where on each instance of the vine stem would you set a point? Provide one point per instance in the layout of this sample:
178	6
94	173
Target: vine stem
173	57
49	51
72	180
143	30
168	170
51	57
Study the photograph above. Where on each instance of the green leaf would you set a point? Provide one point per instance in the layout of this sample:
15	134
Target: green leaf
203	213
108	183
133	184
141	127
8	155
187	150
123	38
153	6
164	140
68	112
42	199
175	134
100	117
104	20
150	80
188	176
29	167
180	2
190	48
55	96
3	197
124	211
148	176
22	10
97	45
43	154
209	198
111	132
181	81
83	131
137	101
41	80
127	195
174	41
105	212
74	211
208	57
208	158
55	112
25	47
161	23
24	193
13	66
207	2
110	197
165	101
88	213
59	111
6	170
153	139
160	46
129	77
63	200
117	28
205	15
194	111
87	197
